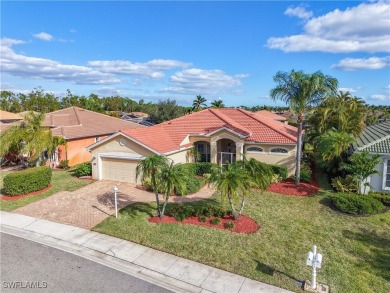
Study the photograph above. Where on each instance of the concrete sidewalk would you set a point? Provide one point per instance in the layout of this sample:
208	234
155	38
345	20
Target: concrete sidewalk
168	271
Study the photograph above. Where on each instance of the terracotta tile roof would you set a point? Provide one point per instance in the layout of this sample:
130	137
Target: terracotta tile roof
4	115
168	136
268	114
75	122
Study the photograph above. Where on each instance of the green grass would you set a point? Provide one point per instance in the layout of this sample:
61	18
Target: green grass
356	250
61	181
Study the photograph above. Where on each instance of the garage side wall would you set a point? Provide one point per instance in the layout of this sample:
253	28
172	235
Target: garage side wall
180	157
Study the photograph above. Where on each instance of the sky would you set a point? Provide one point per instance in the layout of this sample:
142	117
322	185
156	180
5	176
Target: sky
228	50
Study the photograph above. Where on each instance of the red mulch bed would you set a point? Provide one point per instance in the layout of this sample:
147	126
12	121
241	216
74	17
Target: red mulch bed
288	187
16	197
243	225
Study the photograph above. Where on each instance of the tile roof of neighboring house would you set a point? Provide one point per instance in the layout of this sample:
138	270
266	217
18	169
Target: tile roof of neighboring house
375	139
75	122
169	136
26	112
268	114
4	115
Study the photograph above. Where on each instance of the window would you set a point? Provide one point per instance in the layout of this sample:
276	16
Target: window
279	151
386	175
122	141
254	149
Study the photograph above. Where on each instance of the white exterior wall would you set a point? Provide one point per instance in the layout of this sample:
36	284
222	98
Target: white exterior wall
377	180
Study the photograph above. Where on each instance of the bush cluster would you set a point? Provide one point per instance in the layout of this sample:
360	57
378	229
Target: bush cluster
383	197
26	181
202	168
355	204
229	225
280	171
181	212
215	221
83	169
306	172
64	164
193	185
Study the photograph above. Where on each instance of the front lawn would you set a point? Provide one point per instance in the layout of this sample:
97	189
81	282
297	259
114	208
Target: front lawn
356	250
61	181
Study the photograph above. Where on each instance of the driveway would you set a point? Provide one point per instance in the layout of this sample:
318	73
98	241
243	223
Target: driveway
88	206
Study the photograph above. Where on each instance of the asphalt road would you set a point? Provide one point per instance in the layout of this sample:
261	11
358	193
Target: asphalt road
25	264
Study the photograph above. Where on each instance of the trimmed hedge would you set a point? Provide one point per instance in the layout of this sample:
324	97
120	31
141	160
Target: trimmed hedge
352	203
181	212
26	181
193	185
382	197
279	170
83	169
203	168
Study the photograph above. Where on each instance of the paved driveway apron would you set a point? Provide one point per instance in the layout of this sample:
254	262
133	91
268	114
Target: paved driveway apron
88	206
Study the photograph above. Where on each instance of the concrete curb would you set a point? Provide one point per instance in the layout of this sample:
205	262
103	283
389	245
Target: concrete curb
168	271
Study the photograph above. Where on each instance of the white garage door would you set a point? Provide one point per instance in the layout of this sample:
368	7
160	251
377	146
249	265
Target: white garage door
119	170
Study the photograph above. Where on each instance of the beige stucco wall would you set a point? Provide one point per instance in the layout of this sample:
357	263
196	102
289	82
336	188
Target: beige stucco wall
287	160
113	146
179	157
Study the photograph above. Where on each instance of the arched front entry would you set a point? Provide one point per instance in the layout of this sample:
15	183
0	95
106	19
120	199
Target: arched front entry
226	151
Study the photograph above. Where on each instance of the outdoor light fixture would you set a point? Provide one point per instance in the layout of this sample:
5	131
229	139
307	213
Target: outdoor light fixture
116	201
314	260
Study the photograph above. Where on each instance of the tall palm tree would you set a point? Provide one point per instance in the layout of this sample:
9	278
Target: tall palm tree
199	103
28	138
171	178
217	104
300	91
150	167
231	181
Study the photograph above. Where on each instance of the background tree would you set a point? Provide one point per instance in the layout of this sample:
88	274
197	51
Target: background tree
150	168
199	103
166	110
301	91
217	104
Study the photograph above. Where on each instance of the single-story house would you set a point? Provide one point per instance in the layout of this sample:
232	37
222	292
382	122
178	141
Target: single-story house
81	128
7	119
272	115
219	135
376	140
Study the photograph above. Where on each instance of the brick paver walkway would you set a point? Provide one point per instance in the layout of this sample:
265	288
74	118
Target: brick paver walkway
88	206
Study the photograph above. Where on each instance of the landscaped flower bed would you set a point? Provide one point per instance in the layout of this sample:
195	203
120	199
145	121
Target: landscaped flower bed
244	224
288	187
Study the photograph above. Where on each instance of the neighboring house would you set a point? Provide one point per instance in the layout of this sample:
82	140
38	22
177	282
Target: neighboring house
219	136
81	128
376	140
138	117
7	119
271	115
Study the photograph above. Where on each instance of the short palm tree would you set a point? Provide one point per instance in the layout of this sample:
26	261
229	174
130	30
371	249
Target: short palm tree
232	182
171	179
199	103
300	91
217	104
151	167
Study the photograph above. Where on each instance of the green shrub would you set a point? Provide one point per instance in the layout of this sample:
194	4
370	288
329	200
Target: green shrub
188	169
193	185
180	212
355	204
383	197
215	221
346	184
281	171
83	169
26	181
202	168
229	225
64	164
202	219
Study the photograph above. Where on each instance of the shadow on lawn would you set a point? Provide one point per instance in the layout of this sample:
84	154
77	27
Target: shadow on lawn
268	270
379	255
139	208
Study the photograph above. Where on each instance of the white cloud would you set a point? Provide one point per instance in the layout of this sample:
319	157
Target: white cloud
32	67
153	69
299	12
379	98
43	36
361	63
198	81
350	90
364	28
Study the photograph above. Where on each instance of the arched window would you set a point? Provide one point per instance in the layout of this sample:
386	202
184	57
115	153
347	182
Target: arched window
279	151
255	149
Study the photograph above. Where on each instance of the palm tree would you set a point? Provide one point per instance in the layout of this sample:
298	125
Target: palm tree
300	91
199	103
28	138
150	167
217	104
231	181
171	178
